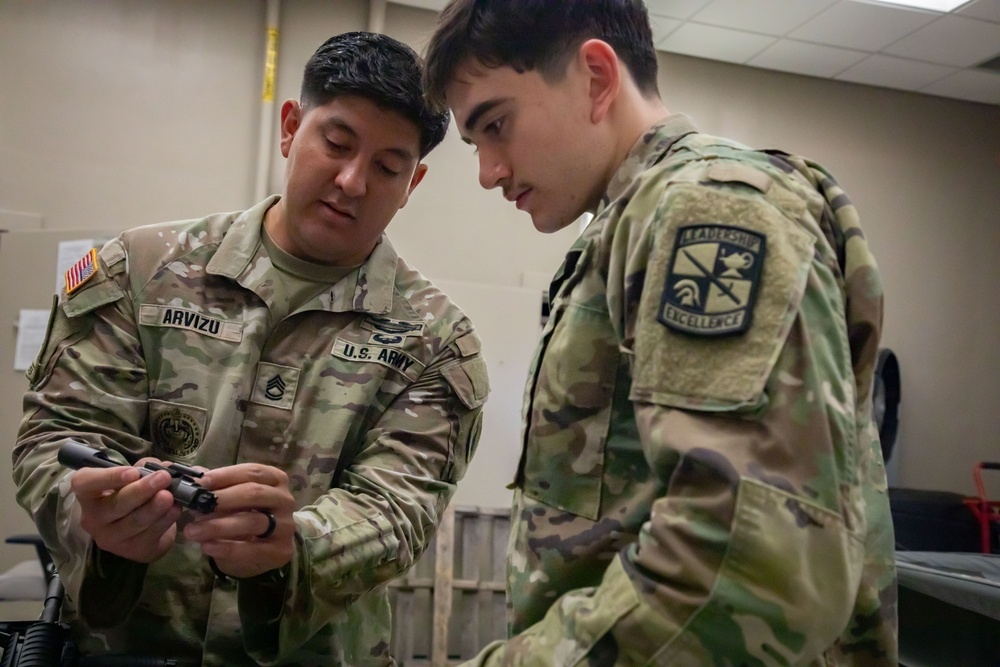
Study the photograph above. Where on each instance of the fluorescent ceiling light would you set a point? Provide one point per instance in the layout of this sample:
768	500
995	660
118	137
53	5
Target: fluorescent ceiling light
933	5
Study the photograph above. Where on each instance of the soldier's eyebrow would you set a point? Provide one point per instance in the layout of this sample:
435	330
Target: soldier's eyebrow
339	124
480	109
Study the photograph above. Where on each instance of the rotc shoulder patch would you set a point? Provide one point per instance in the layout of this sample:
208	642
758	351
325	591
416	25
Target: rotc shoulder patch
712	280
81	272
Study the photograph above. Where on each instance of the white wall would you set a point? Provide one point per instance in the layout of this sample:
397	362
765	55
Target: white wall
115	113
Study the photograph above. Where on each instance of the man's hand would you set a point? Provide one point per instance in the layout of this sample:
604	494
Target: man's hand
234	534
131	516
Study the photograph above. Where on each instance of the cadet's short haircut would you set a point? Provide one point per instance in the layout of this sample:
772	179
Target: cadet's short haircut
376	67
537	35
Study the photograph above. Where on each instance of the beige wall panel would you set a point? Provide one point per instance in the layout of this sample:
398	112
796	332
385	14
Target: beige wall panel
124	113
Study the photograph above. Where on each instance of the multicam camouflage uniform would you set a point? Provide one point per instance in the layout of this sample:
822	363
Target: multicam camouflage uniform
174	350
701	482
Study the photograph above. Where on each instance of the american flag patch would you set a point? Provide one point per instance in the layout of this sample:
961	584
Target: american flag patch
82	271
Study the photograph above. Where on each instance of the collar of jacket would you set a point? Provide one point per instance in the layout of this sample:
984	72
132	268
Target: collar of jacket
369	289
649	149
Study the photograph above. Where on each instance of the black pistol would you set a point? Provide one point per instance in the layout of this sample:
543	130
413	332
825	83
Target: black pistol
186	490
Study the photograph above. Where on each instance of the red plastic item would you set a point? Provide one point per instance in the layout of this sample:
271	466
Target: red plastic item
987	511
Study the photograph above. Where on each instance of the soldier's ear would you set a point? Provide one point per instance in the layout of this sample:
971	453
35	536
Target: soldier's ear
603	71
418	175
291	120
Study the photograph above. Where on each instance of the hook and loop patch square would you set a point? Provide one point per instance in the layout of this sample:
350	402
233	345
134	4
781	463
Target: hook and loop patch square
683	357
712	282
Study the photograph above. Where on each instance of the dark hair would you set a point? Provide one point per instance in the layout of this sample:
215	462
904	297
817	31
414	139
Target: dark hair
537	35
379	68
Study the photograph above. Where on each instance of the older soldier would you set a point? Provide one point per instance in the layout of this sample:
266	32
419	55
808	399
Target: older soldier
701	482
334	394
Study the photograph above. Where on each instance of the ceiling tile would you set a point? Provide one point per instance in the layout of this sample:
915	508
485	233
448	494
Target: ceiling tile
803	58
891	72
856	25
768	17
675	9
988	10
705	41
662	27
974	85
831	38
436	5
951	40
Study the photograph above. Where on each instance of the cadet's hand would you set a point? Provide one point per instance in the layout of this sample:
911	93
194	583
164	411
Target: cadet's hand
129	516
236	533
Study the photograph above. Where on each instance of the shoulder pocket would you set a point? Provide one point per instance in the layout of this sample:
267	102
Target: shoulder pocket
716	309
92	297
59	332
100	289
469	380
69	326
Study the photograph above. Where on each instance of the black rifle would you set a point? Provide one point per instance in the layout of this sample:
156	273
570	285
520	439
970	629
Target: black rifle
47	642
41	643
186	490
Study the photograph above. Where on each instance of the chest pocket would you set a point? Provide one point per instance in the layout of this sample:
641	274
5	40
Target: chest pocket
571	401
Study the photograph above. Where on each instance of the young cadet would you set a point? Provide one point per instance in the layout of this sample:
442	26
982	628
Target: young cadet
333	394
701	481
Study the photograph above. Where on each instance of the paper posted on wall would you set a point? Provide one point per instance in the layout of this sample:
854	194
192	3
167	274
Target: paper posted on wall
31	326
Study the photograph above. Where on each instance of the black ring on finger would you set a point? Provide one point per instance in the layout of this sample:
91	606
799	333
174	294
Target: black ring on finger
271	524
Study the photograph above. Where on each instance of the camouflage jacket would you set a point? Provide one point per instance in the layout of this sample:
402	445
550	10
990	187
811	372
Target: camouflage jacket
701	482
170	351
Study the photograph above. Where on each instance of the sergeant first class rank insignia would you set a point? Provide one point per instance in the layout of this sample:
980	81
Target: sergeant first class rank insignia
712	281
